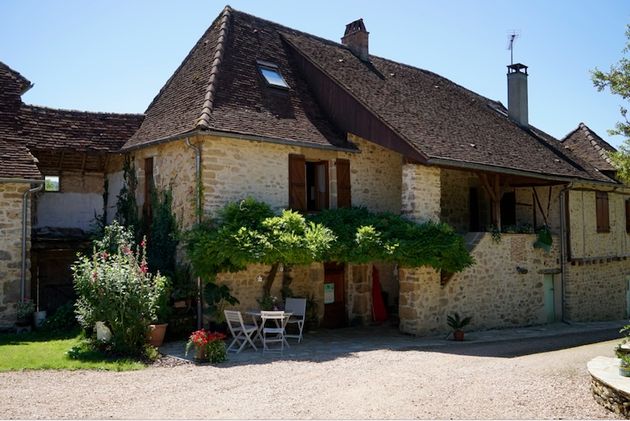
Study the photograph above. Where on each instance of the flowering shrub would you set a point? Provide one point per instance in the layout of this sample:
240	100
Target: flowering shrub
209	346
114	286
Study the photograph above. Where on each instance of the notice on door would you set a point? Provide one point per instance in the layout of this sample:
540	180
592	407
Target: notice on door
329	293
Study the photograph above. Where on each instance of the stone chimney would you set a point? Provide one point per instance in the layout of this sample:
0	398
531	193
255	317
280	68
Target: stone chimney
517	93
356	39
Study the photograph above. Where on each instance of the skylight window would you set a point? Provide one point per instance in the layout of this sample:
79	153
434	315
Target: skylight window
272	75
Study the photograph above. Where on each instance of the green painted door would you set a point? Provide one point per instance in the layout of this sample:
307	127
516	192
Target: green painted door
550	308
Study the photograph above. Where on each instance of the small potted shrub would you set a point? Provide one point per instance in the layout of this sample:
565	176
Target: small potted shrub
217	298
157	329
457	323
25	310
209	346
624	365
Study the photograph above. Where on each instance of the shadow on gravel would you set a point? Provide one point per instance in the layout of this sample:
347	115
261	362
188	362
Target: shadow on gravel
327	345
525	346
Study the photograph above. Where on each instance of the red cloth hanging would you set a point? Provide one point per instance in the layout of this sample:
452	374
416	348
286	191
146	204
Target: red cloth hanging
379	311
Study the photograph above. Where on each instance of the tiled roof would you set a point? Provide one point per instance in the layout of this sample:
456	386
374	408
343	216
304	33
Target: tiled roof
26	128
8	75
218	87
16	161
439	118
53	129
590	147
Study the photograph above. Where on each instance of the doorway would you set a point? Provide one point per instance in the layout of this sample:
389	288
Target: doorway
553	298
334	296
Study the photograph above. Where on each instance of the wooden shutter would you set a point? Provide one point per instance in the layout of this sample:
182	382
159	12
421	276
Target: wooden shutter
601	211
297	182
627	216
344	199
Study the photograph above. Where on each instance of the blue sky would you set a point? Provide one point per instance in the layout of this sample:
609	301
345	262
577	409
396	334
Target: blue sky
115	55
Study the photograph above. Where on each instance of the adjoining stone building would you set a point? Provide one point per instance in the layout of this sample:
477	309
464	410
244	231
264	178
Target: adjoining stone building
52	185
258	109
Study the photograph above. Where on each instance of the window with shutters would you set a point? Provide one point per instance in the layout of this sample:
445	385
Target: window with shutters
627	203
308	184
601	211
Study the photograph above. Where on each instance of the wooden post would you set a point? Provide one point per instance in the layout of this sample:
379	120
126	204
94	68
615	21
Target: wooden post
494	190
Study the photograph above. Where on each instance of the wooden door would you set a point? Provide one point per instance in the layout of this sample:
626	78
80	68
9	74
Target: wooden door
550	310
334	296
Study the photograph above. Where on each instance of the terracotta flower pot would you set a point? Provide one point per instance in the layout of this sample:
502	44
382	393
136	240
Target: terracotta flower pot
201	355
458	335
156	334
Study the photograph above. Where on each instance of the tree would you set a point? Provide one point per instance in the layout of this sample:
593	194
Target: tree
617	80
248	232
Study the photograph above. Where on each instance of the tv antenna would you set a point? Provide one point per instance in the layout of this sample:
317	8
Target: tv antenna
512	35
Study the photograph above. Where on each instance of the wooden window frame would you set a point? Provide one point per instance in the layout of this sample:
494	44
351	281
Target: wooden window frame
602	212
344	184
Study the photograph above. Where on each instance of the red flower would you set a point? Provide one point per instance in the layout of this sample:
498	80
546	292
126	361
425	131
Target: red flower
143	242
143	267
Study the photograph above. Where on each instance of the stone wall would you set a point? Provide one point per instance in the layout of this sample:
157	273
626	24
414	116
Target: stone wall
359	294
173	167
236	168
421	192
492	291
11	250
306	281
586	242
597	290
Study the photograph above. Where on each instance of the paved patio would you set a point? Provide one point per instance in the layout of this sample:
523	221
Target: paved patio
325	344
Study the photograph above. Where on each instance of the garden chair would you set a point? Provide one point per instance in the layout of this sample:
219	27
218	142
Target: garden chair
273	325
297	308
241	332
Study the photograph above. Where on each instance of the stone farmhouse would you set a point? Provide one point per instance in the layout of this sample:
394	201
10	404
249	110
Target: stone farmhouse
259	109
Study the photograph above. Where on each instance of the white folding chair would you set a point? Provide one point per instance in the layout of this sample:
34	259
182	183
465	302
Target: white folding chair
297	308
273	325
241	332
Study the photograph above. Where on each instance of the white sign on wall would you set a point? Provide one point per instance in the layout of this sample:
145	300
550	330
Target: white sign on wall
329	293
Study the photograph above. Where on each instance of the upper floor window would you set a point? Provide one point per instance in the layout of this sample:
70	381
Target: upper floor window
601	211
627	203
51	183
272	75
309	184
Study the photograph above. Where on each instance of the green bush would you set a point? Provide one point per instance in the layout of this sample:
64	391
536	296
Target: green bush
114	286
62	320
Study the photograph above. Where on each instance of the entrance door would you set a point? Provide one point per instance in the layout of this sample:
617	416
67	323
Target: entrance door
550	305
628	299
334	296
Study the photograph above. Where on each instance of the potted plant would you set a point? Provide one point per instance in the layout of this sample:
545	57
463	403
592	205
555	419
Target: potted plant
457	323
624	365
209	346
217	297
268	303
312	314
162	311
25	310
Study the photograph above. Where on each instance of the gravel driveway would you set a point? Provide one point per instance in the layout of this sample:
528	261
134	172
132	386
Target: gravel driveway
439	382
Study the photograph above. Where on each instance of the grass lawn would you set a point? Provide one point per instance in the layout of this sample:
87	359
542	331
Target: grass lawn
39	351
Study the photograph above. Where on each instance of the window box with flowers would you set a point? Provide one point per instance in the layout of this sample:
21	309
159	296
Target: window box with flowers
209	346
